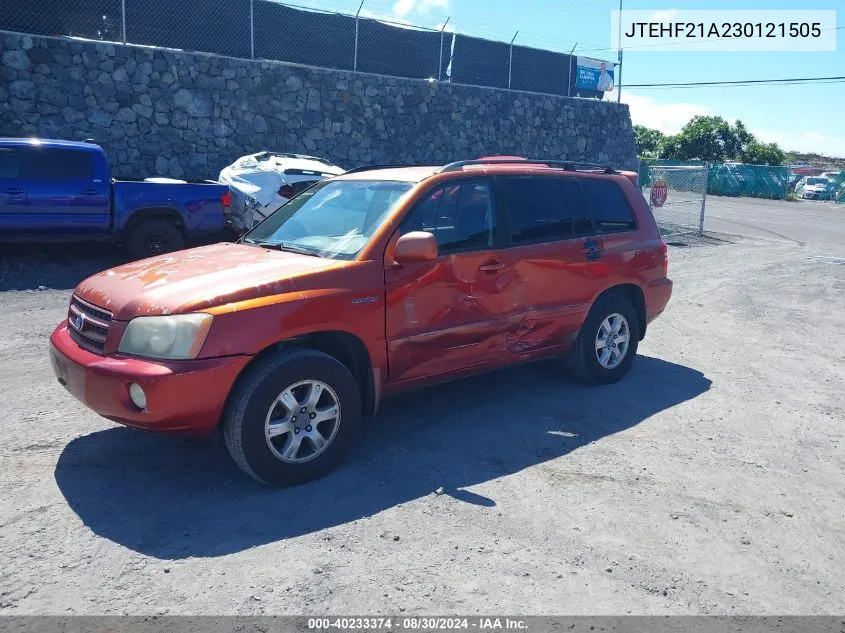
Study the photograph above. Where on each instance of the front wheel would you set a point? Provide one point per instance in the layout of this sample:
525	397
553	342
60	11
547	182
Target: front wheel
154	237
607	343
292	417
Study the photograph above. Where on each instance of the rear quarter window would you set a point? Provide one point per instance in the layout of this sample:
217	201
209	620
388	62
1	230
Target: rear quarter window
608	205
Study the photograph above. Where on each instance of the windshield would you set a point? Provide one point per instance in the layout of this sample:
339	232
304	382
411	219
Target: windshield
816	181
331	219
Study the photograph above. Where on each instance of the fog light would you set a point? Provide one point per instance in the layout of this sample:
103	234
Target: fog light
139	398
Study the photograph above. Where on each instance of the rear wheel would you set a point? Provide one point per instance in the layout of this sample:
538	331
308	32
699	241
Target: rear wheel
154	237
292	417
607	343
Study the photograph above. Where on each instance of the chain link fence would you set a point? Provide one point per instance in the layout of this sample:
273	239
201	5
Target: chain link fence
732	179
677	196
266	29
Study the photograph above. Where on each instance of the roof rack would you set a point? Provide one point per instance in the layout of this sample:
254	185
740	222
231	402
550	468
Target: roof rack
566	165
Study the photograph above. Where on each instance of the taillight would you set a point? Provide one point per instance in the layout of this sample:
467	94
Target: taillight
286	191
226	199
664	252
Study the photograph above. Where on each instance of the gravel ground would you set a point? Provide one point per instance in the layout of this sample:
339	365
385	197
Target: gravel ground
709	481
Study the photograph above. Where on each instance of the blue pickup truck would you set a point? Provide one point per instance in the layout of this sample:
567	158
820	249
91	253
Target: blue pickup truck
63	191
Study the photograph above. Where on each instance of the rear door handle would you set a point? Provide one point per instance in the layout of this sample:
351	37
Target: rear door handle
491	267
13	192
592	250
89	192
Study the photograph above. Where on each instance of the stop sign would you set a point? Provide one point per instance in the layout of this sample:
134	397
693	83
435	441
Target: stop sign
659	193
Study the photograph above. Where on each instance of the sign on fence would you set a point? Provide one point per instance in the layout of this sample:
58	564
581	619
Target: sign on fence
594	74
659	193
677	196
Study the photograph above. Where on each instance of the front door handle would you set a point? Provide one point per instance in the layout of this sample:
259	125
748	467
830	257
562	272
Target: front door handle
491	267
89	192
13	191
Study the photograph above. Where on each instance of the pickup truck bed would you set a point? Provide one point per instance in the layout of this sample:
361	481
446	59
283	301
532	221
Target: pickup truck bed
63	191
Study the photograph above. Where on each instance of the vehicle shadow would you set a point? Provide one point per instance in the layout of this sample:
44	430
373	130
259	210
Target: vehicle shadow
54	266
173	499
60	266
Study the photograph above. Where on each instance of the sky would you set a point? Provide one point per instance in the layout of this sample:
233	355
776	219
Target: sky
807	117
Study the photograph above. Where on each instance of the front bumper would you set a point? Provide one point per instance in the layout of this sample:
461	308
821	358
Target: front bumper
183	397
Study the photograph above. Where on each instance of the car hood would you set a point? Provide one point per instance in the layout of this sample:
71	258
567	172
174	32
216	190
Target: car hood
197	279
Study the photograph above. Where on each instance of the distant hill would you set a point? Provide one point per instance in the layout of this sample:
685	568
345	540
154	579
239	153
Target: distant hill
816	160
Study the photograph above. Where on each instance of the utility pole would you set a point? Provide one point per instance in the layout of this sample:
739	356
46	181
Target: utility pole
570	81
619	65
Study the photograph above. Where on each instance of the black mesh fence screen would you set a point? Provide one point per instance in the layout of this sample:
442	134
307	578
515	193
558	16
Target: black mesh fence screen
480	62
209	26
92	19
394	50
267	29
540	71
304	37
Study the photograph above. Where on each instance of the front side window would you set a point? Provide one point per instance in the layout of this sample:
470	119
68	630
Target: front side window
332	219
460	215
59	165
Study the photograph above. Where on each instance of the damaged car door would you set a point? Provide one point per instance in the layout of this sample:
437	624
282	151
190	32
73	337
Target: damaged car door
451	313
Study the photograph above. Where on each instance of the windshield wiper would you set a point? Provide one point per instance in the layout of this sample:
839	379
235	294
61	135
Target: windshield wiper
287	247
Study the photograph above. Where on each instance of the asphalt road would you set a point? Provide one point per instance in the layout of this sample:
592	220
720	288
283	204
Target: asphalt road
803	222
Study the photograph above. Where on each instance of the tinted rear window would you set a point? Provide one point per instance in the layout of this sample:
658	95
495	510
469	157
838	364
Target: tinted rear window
59	164
608	205
10	165
537	209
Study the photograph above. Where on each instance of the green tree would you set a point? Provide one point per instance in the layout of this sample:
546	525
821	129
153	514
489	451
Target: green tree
744	137
708	138
648	140
757	153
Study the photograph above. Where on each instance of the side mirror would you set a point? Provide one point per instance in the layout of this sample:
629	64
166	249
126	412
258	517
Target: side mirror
416	246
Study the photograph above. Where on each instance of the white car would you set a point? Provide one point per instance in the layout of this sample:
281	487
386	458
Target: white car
263	182
816	188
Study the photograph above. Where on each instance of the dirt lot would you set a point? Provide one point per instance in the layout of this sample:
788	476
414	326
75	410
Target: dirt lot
709	481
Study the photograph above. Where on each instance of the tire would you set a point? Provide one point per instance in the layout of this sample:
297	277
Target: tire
154	237
583	359
256	399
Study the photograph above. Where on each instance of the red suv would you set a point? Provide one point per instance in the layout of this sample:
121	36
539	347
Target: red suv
365	285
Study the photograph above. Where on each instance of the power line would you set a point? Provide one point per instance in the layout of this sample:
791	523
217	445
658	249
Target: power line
743	82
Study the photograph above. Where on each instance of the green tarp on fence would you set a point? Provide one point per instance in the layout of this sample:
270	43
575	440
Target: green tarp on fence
731	179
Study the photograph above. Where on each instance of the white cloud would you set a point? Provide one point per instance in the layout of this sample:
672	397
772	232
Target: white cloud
381	17
815	136
804	142
403	8
666	15
669	118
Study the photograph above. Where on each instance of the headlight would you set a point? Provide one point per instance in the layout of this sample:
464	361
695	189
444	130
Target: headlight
176	337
